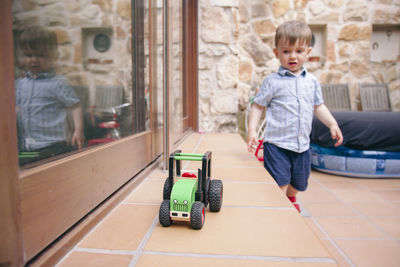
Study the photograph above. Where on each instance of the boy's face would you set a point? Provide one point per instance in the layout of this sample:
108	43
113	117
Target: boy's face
292	57
37	61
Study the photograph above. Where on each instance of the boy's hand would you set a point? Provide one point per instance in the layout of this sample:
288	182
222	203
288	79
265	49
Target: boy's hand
78	139
252	142
337	135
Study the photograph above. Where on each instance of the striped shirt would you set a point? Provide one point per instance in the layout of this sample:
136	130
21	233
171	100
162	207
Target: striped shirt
42	104
290	102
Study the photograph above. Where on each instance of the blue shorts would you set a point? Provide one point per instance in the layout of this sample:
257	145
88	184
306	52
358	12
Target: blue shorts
288	167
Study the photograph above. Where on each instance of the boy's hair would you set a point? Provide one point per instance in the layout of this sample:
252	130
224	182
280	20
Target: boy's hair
38	39
293	30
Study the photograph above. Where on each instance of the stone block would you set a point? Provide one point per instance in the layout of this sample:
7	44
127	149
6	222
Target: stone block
280	7
227	72
354	32
245	71
215	25
260	52
264	27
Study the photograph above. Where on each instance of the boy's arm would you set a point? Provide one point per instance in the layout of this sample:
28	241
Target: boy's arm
255	115
323	114
77	137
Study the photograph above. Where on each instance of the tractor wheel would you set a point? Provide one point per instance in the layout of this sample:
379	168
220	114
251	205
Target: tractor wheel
167	190
197	215
163	216
206	193
215	194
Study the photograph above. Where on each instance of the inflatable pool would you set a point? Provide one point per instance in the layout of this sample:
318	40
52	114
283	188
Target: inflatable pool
371	147
355	163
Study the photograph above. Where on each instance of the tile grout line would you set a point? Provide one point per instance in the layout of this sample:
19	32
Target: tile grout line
341	252
372	192
76	247
390	237
243	257
145	239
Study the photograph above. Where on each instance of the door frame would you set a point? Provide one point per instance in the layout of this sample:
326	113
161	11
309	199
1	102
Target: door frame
11	247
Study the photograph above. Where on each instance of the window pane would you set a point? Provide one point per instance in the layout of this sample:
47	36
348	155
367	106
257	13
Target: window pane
74	76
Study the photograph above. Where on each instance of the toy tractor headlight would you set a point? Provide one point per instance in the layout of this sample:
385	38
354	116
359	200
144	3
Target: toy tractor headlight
185	202
175	201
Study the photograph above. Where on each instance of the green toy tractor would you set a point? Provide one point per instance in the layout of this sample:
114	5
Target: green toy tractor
187	198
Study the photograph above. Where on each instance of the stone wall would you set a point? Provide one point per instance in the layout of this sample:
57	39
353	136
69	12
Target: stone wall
236	42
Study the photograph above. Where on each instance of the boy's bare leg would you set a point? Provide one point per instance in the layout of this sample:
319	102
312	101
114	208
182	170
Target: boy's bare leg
291	191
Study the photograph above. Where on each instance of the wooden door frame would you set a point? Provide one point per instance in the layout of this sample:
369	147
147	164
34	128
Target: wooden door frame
190	59
11	250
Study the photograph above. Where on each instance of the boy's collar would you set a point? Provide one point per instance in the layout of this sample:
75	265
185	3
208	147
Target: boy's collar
42	75
285	72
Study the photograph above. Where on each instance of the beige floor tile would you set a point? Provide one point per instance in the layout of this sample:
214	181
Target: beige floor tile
123	229
356	195
376	208
390	195
333	185
79	259
314	228
254	194
397	203
324	177
248	174
378	184
242	231
371	253
173	261
149	191
312	195
158	175
329	209
390	225
340	258
349	227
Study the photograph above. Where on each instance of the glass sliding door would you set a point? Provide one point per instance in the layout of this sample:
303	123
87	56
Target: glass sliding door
84	78
182	71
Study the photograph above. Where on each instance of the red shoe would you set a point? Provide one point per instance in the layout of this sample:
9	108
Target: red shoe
295	204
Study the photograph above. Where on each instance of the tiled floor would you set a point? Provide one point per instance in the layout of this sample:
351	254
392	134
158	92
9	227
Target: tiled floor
358	220
345	222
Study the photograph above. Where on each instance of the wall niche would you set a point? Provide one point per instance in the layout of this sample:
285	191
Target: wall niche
317	56
97	49
385	43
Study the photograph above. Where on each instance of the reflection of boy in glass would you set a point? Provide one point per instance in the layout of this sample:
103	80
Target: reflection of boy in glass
43	99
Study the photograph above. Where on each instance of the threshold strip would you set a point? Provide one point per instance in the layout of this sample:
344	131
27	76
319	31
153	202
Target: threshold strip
106	251
243	257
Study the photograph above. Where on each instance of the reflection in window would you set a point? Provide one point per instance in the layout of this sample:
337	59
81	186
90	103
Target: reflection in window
74	85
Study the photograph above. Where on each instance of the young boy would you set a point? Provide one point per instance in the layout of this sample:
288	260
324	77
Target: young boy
43	99
291	96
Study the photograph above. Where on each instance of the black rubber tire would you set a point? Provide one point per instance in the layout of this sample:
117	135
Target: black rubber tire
167	190
197	215
216	195
163	215
206	194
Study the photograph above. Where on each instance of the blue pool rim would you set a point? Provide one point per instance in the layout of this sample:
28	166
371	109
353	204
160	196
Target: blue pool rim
319	152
